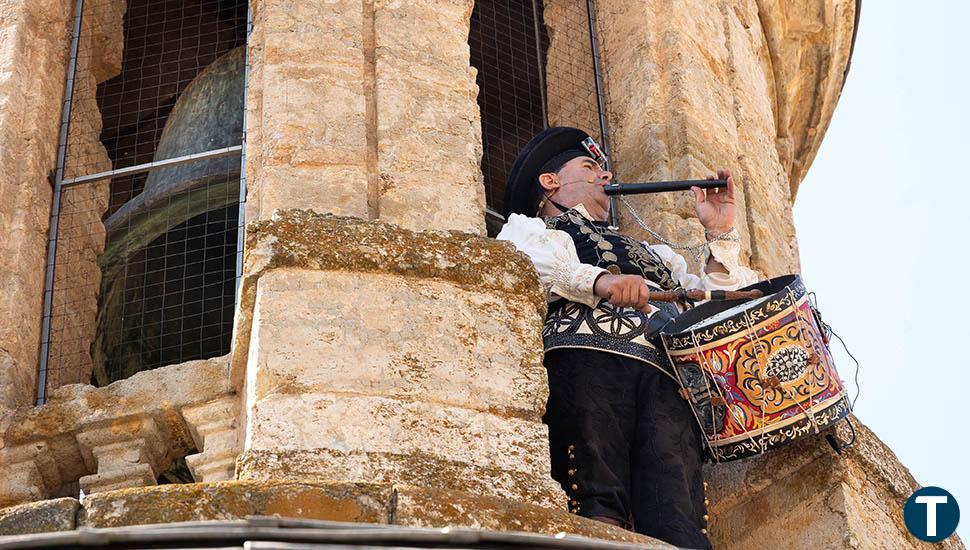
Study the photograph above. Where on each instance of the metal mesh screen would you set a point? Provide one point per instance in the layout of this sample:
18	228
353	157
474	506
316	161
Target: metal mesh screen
144	268
536	68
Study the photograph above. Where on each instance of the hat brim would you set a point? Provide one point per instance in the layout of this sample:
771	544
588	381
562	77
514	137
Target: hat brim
522	190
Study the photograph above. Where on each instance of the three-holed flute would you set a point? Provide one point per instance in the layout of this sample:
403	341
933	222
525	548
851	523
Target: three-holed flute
661	186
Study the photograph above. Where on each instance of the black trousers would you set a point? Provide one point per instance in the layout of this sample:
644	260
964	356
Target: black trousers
625	445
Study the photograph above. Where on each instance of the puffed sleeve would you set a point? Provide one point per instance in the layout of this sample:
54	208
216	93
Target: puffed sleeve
554	255
725	252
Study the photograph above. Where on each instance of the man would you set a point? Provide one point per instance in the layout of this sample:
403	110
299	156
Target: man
624	445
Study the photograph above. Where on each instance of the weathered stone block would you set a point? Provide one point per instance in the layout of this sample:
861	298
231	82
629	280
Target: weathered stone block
385	335
59	514
235	500
425	507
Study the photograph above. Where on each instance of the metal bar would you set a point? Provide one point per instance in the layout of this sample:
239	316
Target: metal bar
542	72
45	330
489	211
139	168
241	220
600	103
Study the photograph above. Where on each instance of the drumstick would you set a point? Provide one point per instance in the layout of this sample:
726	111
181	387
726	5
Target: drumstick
674	295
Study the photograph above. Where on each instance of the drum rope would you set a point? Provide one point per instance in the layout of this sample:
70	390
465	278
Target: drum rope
810	413
858	389
787	393
720	390
758	347
690	405
828	328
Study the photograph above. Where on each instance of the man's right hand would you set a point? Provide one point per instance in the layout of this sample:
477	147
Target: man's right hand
623	291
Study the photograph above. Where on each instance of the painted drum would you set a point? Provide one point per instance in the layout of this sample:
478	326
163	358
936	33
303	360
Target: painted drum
758	374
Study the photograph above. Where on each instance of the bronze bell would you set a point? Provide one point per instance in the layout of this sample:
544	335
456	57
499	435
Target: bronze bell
177	202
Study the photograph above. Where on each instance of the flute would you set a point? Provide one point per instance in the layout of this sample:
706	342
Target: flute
661	186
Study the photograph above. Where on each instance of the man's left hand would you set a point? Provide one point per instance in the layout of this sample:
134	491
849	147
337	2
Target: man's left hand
715	207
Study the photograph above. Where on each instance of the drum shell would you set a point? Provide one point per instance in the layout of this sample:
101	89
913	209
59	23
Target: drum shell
767	361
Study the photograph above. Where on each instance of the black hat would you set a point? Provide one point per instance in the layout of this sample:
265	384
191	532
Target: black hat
522	189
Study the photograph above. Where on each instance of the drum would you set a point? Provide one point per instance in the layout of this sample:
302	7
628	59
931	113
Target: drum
758	374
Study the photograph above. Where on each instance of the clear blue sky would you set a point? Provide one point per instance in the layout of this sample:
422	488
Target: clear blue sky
883	220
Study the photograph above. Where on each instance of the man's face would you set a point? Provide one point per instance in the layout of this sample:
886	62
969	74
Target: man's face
581	180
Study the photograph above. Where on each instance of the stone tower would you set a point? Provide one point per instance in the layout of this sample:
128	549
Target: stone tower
385	359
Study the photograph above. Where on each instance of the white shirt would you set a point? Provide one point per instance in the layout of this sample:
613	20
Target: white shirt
563	276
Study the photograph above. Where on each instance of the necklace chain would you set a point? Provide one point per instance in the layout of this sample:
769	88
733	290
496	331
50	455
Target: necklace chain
695	250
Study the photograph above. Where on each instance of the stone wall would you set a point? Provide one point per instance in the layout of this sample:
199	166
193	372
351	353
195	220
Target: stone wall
366	113
80	231
693	87
33	59
807	496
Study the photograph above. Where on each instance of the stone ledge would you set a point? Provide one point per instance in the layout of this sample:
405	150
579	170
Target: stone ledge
303	239
414	469
364	503
378	503
59	514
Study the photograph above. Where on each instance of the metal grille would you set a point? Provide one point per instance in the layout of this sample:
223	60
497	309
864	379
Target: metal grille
143	258
537	66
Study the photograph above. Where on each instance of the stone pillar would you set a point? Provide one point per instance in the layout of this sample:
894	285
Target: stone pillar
429	140
382	355
355	108
306	127
33	61
80	231
692	88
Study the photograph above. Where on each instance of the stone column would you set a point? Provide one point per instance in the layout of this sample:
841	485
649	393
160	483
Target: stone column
33	61
80	231
428	129
306	127
355	108
382	355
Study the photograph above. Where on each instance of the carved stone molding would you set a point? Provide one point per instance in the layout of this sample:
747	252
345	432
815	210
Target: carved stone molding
215	429
127	453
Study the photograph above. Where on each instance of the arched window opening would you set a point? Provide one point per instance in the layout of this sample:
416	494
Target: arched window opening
149	190
537	67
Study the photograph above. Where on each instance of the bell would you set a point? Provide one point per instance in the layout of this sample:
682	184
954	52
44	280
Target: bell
168	218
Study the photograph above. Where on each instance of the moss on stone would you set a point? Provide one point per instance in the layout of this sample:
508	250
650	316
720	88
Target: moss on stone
354	502
305	239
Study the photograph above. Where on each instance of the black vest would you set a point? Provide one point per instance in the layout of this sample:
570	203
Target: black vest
620	330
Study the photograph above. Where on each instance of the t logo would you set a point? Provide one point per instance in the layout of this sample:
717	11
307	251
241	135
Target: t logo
931	514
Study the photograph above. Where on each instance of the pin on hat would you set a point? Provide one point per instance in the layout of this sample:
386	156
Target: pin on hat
548	151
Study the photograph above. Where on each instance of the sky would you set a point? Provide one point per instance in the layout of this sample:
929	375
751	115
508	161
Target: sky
883	218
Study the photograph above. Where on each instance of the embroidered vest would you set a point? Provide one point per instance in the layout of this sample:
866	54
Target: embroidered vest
620	330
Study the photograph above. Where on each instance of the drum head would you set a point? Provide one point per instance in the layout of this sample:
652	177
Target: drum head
777	286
